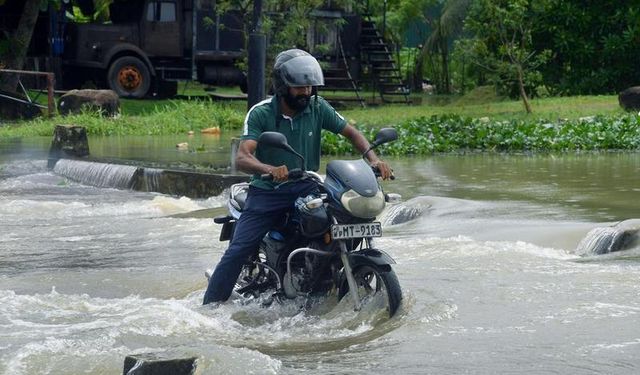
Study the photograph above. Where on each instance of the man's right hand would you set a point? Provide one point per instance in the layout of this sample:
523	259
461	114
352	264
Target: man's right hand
280	174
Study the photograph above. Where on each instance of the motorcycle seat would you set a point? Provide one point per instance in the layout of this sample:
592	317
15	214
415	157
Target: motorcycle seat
240	199
238	196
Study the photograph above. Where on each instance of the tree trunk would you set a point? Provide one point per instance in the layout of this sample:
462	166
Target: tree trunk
418	70
462	83
523	92
444	54
437	76
19	44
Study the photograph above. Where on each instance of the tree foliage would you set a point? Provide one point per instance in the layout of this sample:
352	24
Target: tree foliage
285	24
576	46
18	43
503	43
408	17
443	20
595	45
446	27
565	47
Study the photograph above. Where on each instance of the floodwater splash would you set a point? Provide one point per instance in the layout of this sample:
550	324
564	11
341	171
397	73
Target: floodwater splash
306	324
403	212
77	333
604	240
48	334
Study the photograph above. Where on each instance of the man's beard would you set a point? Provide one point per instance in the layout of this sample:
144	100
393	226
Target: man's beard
297	102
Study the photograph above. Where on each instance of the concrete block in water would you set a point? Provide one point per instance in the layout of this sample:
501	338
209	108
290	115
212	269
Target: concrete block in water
183	183
68	141
154	364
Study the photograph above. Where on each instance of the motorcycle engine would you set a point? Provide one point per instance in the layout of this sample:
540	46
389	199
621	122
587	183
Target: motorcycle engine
304	273
312	216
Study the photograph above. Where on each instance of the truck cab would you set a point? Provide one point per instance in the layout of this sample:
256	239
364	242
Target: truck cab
150	45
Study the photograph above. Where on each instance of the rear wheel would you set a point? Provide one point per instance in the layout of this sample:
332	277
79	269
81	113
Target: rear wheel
374	283
129	77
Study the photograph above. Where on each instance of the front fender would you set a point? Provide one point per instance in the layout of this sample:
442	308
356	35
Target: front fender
371	257
127	49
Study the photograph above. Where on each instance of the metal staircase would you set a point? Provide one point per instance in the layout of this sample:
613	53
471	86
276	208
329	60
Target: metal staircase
377	58
338	79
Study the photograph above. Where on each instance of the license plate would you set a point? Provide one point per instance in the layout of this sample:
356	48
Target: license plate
342	231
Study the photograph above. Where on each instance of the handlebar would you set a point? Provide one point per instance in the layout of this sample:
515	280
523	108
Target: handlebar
293	174
298	173
376	172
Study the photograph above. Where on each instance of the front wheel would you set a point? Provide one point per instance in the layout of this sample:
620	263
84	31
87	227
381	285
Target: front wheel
374	283
129	77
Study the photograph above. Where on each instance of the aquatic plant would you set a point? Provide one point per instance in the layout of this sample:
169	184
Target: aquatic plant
450	133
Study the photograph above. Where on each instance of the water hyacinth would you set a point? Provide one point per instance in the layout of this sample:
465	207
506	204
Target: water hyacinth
450	133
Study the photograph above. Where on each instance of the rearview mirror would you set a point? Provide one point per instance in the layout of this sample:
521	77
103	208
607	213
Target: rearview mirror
385	135
273	139
278	140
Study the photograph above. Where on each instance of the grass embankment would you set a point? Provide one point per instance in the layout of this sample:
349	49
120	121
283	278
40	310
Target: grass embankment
477	121
549	109
157	118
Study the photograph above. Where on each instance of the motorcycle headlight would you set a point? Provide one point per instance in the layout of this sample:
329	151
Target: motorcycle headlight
363	207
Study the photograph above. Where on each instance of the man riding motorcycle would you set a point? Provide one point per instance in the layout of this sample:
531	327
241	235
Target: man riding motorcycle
300	117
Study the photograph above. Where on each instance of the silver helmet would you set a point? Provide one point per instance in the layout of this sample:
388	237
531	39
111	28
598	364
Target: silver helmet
295	68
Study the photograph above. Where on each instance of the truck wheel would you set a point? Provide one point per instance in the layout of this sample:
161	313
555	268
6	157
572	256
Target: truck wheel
129	77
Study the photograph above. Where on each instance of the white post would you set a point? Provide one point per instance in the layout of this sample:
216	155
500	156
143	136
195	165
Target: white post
235	143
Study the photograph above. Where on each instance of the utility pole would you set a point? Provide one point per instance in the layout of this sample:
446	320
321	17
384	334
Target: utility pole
257	58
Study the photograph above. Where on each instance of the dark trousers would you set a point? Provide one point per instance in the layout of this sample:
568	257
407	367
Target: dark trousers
263	209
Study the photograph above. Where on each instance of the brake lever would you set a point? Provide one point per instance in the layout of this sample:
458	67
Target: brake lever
376	172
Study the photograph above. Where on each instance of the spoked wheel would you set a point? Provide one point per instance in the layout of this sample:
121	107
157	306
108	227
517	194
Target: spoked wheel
256	277
374	283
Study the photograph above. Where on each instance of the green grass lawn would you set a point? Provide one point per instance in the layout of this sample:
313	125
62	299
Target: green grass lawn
486	105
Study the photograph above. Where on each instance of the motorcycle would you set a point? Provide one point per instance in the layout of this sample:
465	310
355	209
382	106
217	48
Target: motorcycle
325	244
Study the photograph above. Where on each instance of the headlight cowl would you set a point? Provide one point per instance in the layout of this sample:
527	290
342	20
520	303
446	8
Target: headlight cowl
363	207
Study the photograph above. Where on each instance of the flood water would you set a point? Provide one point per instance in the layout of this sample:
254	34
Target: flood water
491	280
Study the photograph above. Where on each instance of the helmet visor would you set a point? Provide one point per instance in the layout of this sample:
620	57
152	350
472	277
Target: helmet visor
302	71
